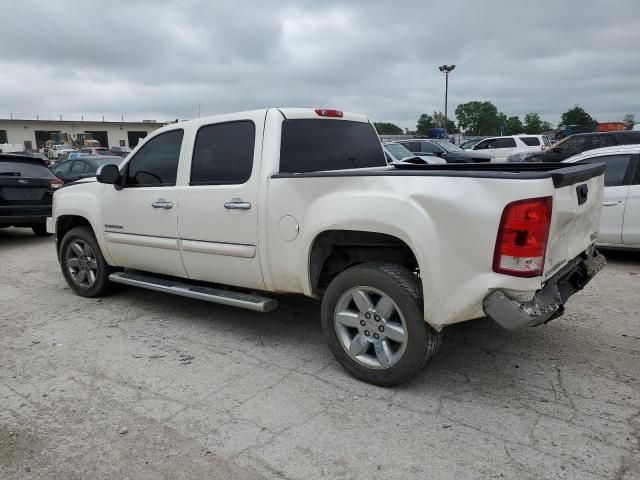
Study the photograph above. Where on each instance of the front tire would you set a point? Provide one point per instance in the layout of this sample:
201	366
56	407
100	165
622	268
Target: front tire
372	319
83	266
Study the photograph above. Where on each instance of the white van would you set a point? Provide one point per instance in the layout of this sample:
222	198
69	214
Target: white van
499	148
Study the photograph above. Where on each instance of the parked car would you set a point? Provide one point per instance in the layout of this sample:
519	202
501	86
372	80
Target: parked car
95	150
620	220
302	201
397	152
26	190
83	166
120	151
57	151
499	148
444	149
582	142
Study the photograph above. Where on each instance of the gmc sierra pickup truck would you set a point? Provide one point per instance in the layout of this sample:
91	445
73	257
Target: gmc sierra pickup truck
238	208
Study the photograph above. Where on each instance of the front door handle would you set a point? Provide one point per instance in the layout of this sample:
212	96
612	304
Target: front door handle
162	203
237	204
610	204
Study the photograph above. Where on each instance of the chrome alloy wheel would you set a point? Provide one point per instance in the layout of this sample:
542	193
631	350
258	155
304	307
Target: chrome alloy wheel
370	327
82	264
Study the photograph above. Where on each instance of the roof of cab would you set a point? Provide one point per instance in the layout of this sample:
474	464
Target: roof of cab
598	152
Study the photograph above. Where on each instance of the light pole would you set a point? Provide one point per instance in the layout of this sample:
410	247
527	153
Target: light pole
446	69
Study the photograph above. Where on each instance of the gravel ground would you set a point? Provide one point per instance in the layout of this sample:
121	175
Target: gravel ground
145	385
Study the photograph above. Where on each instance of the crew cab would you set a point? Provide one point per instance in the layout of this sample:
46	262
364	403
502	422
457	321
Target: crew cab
239	208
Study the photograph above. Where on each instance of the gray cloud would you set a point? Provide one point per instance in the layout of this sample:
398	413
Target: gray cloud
158	59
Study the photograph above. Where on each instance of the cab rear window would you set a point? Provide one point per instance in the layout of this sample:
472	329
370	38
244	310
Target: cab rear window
311	145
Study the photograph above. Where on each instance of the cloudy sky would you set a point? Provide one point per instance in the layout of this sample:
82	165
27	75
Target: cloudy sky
158	59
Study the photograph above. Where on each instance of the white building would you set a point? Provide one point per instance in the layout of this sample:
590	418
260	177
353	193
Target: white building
33	134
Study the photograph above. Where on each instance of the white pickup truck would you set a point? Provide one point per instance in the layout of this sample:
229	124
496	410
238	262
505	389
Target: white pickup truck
238	208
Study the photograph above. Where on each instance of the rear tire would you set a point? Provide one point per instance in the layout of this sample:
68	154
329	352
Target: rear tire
83	266
373	321
40	230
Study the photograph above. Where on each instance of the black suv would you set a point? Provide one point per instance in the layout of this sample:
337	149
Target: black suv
581	142
26	192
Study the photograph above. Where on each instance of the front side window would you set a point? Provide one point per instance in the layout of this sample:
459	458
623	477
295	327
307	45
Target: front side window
312	145
617	165
484	144
156	163
428	147
62	169
223	153
79	167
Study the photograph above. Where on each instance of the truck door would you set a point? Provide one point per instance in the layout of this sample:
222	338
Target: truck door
218	213
141	220
502	148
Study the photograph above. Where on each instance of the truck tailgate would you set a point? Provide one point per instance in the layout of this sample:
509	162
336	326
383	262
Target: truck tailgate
577	202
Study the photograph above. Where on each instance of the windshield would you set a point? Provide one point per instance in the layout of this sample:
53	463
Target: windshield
448	146
399	151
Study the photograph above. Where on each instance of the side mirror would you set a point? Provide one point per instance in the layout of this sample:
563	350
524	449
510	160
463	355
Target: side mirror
108	174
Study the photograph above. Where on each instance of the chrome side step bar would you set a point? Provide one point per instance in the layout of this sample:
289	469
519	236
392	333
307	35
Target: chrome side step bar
208	294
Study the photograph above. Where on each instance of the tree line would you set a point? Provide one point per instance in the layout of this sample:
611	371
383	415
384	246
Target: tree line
482	118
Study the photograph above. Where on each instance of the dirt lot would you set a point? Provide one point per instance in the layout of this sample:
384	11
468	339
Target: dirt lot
144	385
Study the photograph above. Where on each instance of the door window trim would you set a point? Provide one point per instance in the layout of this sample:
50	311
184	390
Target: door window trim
223	182
124	173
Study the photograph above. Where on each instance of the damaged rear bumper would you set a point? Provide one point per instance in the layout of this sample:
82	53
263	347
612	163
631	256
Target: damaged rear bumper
548	302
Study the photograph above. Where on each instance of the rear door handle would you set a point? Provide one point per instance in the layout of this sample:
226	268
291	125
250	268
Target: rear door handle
610	204
162	203
237	204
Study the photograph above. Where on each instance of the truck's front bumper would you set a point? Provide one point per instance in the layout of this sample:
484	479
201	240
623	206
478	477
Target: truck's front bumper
548	302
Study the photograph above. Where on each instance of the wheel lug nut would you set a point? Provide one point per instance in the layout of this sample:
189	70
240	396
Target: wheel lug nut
377	318
381	328
367	315
363	323
376	336
366	333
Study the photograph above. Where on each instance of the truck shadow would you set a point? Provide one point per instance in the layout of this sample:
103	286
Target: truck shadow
10	237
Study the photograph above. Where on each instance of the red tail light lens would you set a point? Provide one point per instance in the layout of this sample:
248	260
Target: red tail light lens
323	112
55	184
522	238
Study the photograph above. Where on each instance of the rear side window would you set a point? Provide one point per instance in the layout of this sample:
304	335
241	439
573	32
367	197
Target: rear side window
311	145
530	141
156	163
617	166
504	143
223	153
26	170
546	141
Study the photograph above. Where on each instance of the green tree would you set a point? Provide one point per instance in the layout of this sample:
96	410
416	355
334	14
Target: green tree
577	116
387	128
439	120
425	122
545	126
479	118
629	121
513	126
533	124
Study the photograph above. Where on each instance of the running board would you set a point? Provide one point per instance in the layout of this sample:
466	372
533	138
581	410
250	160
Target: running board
184	289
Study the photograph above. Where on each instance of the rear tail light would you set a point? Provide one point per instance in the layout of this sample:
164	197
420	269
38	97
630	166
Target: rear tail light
55	184
323	112
522	238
